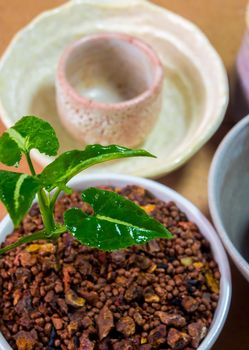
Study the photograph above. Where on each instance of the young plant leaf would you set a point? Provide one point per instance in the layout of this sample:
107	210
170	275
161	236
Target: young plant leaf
17	192
70	163
117	222
10	153
29	132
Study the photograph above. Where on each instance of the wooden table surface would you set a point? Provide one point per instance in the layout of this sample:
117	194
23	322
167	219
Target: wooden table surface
223	22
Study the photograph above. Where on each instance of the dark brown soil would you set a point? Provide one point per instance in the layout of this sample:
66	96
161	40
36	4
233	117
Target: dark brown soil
159	296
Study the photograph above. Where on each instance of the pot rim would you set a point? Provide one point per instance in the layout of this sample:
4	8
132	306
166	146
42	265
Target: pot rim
220	153
165	193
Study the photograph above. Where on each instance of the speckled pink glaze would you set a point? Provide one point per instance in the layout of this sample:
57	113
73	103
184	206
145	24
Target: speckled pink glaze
243	65
137	74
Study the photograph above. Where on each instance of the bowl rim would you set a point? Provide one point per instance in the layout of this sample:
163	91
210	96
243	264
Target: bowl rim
154	87
165	193
220	153
198	34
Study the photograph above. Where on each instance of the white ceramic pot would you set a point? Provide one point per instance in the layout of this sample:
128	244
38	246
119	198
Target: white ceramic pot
229	193
166	194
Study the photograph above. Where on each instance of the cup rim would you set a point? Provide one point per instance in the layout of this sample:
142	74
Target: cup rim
220	153
61	79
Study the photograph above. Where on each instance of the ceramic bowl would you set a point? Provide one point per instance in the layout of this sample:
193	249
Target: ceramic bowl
109	89
166	194
229	193
195	92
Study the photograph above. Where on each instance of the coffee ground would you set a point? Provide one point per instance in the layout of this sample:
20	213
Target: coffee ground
162	295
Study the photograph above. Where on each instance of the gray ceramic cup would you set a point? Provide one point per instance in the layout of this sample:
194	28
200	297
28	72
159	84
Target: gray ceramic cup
229	194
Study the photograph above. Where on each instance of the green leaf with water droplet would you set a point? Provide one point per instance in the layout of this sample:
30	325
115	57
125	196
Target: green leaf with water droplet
28	133
69	164
17	191
32	132
10	153
117	222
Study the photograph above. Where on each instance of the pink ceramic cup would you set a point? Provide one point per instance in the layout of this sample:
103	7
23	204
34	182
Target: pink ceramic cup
109	89
243	65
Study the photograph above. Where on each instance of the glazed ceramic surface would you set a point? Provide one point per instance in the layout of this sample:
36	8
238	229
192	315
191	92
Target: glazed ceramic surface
109	89
166	194
243	60
195	91
229	193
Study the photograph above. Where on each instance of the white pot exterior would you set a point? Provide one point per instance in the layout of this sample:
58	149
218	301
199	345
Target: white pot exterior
166	194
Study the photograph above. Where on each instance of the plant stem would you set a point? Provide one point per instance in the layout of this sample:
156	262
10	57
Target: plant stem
26	239
39	235
46	212
54	197
60	229
31	167
44	203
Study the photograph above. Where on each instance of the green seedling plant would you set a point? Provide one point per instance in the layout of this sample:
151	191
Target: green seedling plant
115	223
